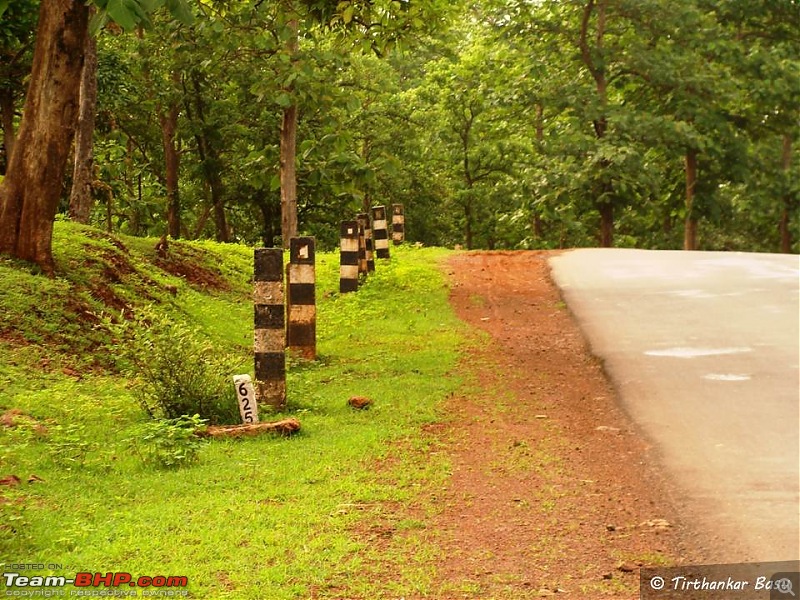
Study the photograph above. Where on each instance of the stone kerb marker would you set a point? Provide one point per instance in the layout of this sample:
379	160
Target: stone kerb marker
364	219
348	257
380	231
246	395
270	335
301	305
398	224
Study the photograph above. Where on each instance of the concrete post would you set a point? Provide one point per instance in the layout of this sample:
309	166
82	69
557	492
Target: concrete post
362	251
301	305
270	335
364	219
348	257
398	224
380	231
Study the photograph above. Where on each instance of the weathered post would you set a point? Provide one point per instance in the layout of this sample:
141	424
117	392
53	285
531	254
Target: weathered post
398	224
270	335
380	231
362	250
348	257
301	304
365	220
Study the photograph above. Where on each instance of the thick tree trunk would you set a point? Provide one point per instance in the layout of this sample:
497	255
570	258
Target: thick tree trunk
690	225
81	198
788	201
169	126
30	193
288	157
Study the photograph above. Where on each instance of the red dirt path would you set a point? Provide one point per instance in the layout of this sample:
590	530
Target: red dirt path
553	491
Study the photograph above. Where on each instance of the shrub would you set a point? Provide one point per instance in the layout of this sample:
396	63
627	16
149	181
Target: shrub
169	443
177	369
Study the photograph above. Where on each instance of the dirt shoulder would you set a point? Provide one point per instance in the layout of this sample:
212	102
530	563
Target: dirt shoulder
553	490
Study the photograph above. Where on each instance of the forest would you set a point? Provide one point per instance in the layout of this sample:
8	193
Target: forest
500	124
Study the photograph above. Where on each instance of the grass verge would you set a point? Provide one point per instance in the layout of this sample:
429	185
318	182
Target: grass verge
257	518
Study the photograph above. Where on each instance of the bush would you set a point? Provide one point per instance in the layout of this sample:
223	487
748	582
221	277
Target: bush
169	443
178	370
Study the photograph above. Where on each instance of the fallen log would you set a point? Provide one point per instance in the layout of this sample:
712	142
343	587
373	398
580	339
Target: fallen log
284	427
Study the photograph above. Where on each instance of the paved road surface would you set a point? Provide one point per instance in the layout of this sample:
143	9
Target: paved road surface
704	349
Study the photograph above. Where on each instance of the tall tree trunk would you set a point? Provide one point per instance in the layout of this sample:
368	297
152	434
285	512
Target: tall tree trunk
169	126
209	155
269	216
468	235
218	202
788	201
598	71
606	224
690	225
288	175
81	198
30	193
7	110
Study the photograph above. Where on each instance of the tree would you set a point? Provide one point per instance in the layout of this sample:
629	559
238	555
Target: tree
30	192
80	200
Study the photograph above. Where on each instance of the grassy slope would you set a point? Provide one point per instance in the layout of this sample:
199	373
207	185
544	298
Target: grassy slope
258	518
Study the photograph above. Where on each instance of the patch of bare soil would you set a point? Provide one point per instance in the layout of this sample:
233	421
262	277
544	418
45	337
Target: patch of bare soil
553	490
184	261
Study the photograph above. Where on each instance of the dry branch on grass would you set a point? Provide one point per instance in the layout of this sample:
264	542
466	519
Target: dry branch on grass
284	427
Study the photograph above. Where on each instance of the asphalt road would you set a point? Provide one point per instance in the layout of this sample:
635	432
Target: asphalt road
704	348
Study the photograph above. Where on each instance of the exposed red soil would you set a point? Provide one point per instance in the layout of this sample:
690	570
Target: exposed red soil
183	261
553	490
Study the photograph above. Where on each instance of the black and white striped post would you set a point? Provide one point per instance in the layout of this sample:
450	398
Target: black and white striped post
362	250
380	231
365	220
398	224
301	298
270	334
348	257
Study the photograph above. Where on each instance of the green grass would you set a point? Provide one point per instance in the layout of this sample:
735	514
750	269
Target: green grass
258	518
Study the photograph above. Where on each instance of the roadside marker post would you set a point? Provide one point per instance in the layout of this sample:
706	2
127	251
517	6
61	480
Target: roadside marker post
362	251
301	301
368	241
380	231
270	328
246	395
398	224
348	257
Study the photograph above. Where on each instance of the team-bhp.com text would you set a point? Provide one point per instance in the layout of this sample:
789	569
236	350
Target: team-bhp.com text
93	580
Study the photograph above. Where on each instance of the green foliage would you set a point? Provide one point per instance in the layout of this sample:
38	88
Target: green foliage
69	445
178	370
499	124
130	13
169	443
